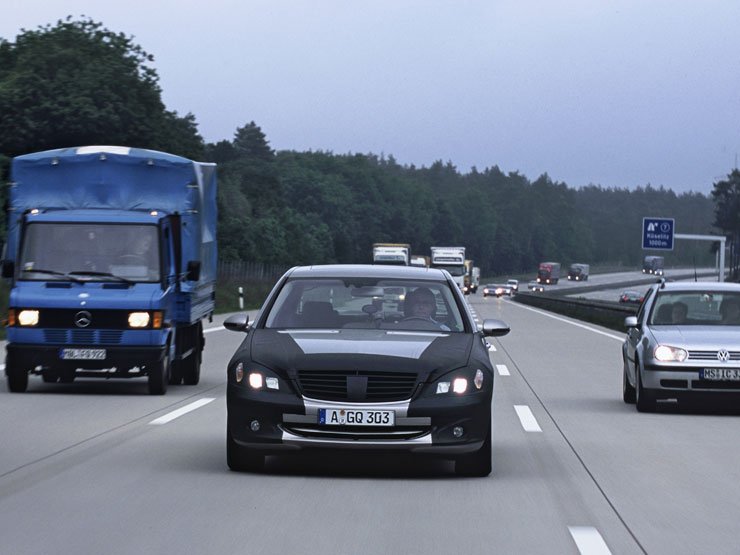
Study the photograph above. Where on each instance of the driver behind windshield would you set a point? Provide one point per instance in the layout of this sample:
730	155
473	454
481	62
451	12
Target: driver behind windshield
422	305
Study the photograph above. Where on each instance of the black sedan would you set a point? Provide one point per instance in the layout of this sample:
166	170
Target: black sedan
334	361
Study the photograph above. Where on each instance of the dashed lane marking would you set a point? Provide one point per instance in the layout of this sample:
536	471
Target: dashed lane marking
529	422
588	540
217	328
182	410
502	370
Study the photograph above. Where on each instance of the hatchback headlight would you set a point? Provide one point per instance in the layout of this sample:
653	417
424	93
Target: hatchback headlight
666	353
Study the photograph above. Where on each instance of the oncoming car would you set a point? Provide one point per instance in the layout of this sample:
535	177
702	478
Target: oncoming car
631	297
496	290
332	363
685	340
535	287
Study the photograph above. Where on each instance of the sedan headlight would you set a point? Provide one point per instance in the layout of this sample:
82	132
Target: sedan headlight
459	381
666	353
256	378
28	317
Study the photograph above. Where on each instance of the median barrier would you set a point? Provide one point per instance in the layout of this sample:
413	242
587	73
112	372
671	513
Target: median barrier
604	313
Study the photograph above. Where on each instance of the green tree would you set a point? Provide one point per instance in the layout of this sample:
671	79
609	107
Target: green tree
77	83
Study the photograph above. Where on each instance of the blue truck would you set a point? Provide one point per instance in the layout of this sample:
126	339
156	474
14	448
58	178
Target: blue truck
111	255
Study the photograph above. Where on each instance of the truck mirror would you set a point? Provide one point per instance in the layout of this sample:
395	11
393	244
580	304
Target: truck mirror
8	268
193	273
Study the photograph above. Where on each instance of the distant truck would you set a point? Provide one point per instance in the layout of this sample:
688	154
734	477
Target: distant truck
391	253
472	278
111	255
419	260
578	272
548	273
451	259
653	265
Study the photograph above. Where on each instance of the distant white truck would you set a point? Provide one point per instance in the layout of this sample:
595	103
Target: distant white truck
451	259
391	253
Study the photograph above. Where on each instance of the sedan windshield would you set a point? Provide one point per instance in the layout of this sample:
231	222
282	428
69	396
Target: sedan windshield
361	303
90	252
696	308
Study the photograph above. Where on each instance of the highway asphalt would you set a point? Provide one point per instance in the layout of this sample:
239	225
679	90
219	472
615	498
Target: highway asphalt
102	467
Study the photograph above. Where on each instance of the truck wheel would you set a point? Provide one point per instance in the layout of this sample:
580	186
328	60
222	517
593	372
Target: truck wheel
17	377
477	463
191	365
176	372
159	375
240	458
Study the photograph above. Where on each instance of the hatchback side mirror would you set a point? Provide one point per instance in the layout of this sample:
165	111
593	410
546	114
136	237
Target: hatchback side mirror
495	328
237	322
631	322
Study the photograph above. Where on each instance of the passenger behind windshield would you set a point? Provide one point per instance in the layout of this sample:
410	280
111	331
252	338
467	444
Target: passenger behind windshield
696	308
365	304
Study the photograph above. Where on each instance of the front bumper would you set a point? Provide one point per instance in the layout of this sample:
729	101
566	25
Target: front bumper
123	358
425	425
684	379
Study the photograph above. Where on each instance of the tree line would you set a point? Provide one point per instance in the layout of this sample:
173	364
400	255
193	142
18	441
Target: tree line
77	83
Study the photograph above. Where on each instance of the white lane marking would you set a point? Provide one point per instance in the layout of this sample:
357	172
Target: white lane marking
589	328
588	540
2	367
209	330
491	347
182	410
502	370
529	422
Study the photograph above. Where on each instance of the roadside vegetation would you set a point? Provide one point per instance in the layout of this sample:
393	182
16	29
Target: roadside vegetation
76	83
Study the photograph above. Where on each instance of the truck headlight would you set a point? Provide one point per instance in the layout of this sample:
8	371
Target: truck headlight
28	317
665	353
138	319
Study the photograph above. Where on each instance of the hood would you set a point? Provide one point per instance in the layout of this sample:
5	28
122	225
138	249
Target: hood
359	349
698	337
91	295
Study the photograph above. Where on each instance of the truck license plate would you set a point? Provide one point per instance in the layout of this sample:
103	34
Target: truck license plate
82	354
720	374
356	417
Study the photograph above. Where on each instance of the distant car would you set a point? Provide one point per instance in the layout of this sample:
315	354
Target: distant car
514	284
332	363
631	297
535	287
684	341
497	290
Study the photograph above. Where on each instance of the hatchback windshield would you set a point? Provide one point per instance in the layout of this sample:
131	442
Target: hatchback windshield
90	251
696	308
366	304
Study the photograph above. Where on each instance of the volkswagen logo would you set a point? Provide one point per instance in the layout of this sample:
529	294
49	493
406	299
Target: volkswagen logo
83	319
723	355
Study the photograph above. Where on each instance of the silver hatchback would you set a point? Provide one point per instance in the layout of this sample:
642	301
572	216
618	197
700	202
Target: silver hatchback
685	339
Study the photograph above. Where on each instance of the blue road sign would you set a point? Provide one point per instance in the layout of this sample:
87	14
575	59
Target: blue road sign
657	233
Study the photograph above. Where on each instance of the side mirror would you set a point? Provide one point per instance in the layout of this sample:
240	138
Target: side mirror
237	322
193	273
495	328
8	268
630	322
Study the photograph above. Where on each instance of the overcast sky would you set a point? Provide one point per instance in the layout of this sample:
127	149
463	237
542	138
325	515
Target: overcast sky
611	92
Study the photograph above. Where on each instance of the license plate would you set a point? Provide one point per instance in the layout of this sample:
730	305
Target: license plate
82	354
720	374
356	417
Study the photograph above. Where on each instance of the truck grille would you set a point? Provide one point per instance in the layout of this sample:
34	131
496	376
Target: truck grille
332	385
83	337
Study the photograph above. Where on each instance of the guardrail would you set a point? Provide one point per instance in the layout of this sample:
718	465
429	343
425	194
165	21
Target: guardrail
604	313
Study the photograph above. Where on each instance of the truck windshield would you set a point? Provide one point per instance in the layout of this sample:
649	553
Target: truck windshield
454	270
90	252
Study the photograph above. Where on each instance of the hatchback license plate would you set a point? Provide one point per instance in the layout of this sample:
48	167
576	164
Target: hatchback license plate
82	354
356	417
720	374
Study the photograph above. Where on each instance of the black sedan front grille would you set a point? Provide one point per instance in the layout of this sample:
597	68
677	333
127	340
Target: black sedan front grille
377	386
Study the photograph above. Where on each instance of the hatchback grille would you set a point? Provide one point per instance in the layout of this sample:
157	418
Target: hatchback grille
711	355
331	385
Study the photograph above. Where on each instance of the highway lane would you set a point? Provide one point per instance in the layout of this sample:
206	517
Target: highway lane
86	471
669	476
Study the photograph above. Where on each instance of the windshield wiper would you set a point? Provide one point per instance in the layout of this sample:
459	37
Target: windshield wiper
101	274
53	273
